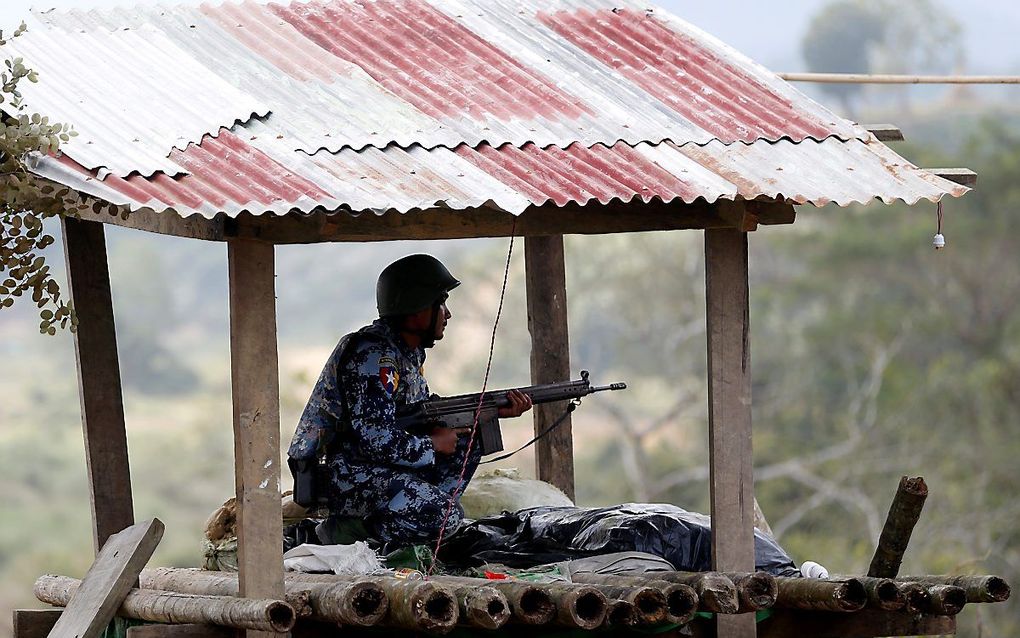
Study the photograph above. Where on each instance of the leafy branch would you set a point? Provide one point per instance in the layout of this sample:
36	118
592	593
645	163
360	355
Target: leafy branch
27	201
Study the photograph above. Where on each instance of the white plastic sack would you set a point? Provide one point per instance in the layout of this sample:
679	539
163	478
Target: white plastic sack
358	558
504	490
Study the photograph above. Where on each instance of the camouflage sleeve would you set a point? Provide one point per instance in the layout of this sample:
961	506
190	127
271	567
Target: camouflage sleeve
322	412
370	380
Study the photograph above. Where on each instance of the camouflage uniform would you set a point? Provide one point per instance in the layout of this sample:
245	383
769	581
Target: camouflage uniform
391	479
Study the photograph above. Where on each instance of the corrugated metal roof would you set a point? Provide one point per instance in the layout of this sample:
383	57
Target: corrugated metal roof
413	104
249	171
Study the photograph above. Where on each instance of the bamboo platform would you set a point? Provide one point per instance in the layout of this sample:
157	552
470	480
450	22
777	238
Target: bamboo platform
663	602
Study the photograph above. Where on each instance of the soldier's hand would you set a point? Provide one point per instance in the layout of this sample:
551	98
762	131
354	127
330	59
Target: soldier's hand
519	404
444	440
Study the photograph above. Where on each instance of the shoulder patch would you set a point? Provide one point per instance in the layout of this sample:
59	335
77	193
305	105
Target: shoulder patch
388	376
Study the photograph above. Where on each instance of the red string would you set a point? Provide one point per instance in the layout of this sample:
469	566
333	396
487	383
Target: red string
478	410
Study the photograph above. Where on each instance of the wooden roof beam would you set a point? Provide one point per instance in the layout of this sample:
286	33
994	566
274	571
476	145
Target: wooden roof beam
885	132
593	219
962	176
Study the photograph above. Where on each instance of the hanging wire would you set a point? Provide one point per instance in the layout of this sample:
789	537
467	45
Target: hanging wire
478	409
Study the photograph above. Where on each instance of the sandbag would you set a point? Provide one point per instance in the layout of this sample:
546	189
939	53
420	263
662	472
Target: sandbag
502	490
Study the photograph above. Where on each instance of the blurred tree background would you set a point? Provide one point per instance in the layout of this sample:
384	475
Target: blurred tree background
873	357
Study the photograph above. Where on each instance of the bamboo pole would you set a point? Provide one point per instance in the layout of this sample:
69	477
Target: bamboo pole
945	600
174	608
620	614
649	604
870	78
916	596
681	599
358	602
580	606
823	594
755	590
716	592
883	593
482	607
413	604
979	589
899	524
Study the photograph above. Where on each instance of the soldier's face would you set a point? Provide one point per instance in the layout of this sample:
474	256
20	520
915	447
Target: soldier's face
441	320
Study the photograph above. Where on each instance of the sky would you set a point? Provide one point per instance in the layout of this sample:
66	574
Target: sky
769	32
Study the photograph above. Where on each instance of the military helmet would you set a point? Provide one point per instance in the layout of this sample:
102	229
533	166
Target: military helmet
411	284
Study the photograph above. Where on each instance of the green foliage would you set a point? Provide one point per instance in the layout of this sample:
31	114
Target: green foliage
26	202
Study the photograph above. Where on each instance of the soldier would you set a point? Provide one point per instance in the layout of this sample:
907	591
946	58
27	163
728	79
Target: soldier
397	483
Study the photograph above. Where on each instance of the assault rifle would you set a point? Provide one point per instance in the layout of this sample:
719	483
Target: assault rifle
458	412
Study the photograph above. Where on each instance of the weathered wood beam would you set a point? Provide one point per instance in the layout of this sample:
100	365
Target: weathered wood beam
548	220
731	478
885	132
166	223
99	383
255	388
35	623
550	355
94	603
962	176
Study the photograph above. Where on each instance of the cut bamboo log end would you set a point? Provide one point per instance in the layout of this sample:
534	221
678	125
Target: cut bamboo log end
174	608
429	606
945	600
650	606
483	607
979	589
620	613
530	604
916	596
883	593
351	600
681	602
899	524
301	601
755	590
845	595
580	606
716	592
681	599
361	603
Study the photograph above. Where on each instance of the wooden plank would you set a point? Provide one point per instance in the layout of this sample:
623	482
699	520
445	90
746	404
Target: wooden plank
961	176
885	132
729	412
180	631
108	581
35	623
550	355
256	403
867	623
548	220
99	384
165	223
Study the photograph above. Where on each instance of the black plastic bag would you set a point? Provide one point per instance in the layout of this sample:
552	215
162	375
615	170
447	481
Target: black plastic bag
543	535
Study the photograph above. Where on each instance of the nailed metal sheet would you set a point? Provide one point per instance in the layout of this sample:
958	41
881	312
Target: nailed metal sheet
249	170
346	74
132	95
407	105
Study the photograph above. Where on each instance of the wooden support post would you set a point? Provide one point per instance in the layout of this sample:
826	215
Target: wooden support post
550	355
729	412
99	385
256	399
